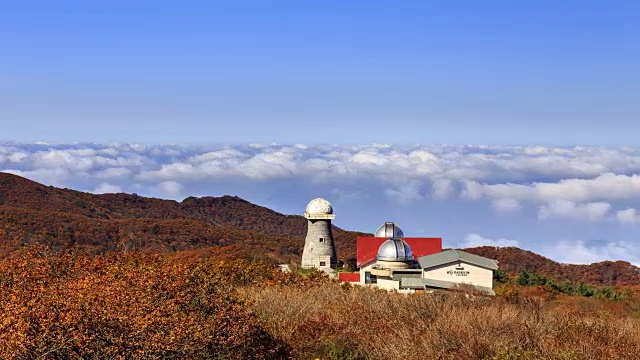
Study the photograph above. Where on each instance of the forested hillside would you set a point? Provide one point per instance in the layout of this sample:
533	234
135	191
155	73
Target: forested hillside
31	212
67	219
128	277
516	260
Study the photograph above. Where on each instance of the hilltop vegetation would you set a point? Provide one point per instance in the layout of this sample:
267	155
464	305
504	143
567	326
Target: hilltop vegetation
31	212
126	277
515	261
193	304
129	306
66	219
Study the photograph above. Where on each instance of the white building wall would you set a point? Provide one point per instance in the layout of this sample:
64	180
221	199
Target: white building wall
471	274
388	284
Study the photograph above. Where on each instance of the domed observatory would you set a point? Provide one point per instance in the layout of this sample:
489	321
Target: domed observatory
368	246
389	230
394	262
319	251
394	253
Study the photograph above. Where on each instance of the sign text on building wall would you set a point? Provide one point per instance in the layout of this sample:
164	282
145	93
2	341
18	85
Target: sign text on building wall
458	271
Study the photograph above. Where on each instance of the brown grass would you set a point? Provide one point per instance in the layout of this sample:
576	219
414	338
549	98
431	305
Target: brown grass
193	305
372	324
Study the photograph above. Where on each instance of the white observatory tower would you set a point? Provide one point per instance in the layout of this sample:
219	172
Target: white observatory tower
319	251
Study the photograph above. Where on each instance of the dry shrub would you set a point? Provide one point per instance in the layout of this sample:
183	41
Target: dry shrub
373	324
145	306
126	306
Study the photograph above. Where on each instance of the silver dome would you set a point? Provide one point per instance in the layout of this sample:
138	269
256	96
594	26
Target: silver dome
389	230
394	250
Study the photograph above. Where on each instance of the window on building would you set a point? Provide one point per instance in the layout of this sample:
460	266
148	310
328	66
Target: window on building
370	279
321	240
322	263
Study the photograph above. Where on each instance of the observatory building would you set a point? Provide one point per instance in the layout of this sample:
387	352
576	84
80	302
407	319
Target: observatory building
391	261
319	251
368	246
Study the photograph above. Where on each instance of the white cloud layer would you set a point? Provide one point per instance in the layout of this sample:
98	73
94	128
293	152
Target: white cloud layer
568	252
106	188
547	186
581	252
475	240
594	211
568	183
506	205
628	216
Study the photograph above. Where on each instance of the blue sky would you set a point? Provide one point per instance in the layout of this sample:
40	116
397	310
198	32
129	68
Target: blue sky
428	72
177	99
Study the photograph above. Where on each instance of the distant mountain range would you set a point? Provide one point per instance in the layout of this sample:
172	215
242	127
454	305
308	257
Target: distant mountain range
67	219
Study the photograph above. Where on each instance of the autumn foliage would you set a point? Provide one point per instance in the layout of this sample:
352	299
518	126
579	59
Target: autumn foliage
130	306
120	276
605	273
67	219
195	304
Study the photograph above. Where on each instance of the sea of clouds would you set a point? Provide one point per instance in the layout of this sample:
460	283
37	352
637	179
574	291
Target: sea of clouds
549	188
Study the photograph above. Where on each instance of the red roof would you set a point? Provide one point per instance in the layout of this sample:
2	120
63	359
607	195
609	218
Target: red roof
349	277
368	247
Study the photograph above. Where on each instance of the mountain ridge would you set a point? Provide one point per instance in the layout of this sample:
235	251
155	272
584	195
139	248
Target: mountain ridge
606	272
224	213
31	212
